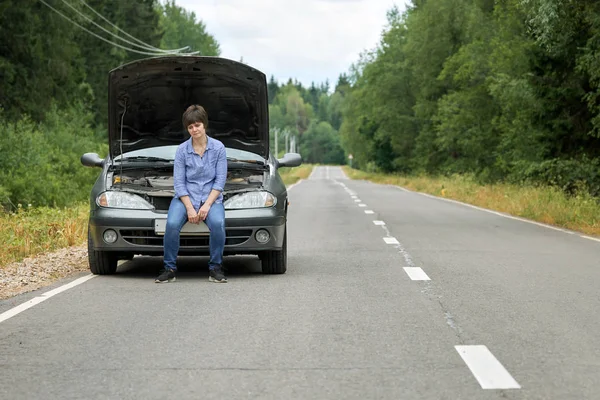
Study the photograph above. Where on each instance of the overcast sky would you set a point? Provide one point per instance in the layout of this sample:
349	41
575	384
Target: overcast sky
310	40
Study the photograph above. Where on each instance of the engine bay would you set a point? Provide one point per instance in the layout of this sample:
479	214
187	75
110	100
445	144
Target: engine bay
156	185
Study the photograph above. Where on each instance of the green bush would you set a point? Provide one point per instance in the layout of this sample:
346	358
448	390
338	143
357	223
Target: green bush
570	175
40	162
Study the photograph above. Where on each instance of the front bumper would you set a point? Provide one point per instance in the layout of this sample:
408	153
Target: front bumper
135	232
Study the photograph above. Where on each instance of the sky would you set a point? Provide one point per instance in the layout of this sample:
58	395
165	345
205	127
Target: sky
307	40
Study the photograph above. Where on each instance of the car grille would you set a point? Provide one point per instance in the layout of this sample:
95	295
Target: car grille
147	237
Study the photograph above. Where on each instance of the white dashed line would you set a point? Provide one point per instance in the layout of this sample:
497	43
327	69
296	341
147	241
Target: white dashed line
391	240
43	297
362	205
486	368
416	274
369	212
357	200
379	223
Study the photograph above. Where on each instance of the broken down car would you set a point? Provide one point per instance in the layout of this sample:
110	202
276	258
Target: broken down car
130	199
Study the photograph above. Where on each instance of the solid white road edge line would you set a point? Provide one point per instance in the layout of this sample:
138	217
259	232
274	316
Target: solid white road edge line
68	286
488	371
591	238
500	214
43	297
416	274
294	184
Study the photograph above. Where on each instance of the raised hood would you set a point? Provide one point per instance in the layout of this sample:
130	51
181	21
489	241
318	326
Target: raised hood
147	99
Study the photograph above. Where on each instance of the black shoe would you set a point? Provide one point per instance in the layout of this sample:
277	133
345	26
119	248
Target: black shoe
167	275
216	275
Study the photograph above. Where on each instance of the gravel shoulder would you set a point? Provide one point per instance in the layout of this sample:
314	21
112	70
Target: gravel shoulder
42	270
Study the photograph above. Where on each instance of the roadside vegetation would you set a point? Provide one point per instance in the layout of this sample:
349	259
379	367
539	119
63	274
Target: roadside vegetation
53	108
495	104
499	91
293	175
550	205
29	230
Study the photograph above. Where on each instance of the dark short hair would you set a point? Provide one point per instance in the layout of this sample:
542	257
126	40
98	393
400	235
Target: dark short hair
193	114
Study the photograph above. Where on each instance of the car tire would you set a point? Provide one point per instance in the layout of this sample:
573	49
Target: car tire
101	262
275	261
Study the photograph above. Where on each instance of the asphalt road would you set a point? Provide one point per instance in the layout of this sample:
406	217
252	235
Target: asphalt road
509	311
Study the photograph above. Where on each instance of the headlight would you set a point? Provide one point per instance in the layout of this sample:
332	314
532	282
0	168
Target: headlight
250	200
114	199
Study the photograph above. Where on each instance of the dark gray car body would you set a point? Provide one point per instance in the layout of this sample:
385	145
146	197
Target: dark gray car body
145	120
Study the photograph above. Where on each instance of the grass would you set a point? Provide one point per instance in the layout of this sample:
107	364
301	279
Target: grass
543	204
34	230
293	175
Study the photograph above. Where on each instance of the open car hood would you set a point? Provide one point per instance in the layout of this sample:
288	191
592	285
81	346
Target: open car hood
147	99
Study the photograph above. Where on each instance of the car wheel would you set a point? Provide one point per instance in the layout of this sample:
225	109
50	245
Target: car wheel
275	261
101	262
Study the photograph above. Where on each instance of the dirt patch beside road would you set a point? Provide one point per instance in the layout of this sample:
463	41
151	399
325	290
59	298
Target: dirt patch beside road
42	270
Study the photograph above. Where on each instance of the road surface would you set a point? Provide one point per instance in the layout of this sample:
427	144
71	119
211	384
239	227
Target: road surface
389	294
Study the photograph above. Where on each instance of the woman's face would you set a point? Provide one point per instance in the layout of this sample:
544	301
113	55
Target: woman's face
197	130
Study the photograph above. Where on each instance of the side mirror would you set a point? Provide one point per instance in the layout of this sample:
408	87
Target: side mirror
92	160
289	160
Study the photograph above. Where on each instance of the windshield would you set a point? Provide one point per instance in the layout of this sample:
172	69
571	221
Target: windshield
168	153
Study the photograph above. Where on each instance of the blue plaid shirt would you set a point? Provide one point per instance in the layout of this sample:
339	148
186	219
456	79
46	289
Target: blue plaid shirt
196	176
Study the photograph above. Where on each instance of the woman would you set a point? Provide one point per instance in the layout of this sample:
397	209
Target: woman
199	178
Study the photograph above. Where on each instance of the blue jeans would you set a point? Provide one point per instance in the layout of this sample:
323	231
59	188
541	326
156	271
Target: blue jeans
177	217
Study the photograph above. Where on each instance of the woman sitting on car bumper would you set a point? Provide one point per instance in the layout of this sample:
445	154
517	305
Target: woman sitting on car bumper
199	177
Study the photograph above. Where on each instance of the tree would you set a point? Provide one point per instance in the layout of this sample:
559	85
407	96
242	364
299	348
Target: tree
321	144
139	19
40	60
182	28
273	89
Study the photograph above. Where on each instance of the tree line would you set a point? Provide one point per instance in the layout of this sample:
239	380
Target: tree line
309	117
53	85
500	90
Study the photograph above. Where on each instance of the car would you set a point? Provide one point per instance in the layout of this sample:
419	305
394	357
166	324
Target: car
130	199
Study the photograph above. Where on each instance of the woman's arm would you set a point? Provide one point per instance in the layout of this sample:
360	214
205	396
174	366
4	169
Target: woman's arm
179	174
221	171
180	188
218	185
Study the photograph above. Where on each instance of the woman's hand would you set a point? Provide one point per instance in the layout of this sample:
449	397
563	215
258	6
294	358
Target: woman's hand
193	216
203	212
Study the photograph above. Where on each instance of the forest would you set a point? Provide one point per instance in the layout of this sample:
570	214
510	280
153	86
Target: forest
502	91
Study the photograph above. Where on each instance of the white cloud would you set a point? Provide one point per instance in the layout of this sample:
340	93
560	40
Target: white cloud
309	40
